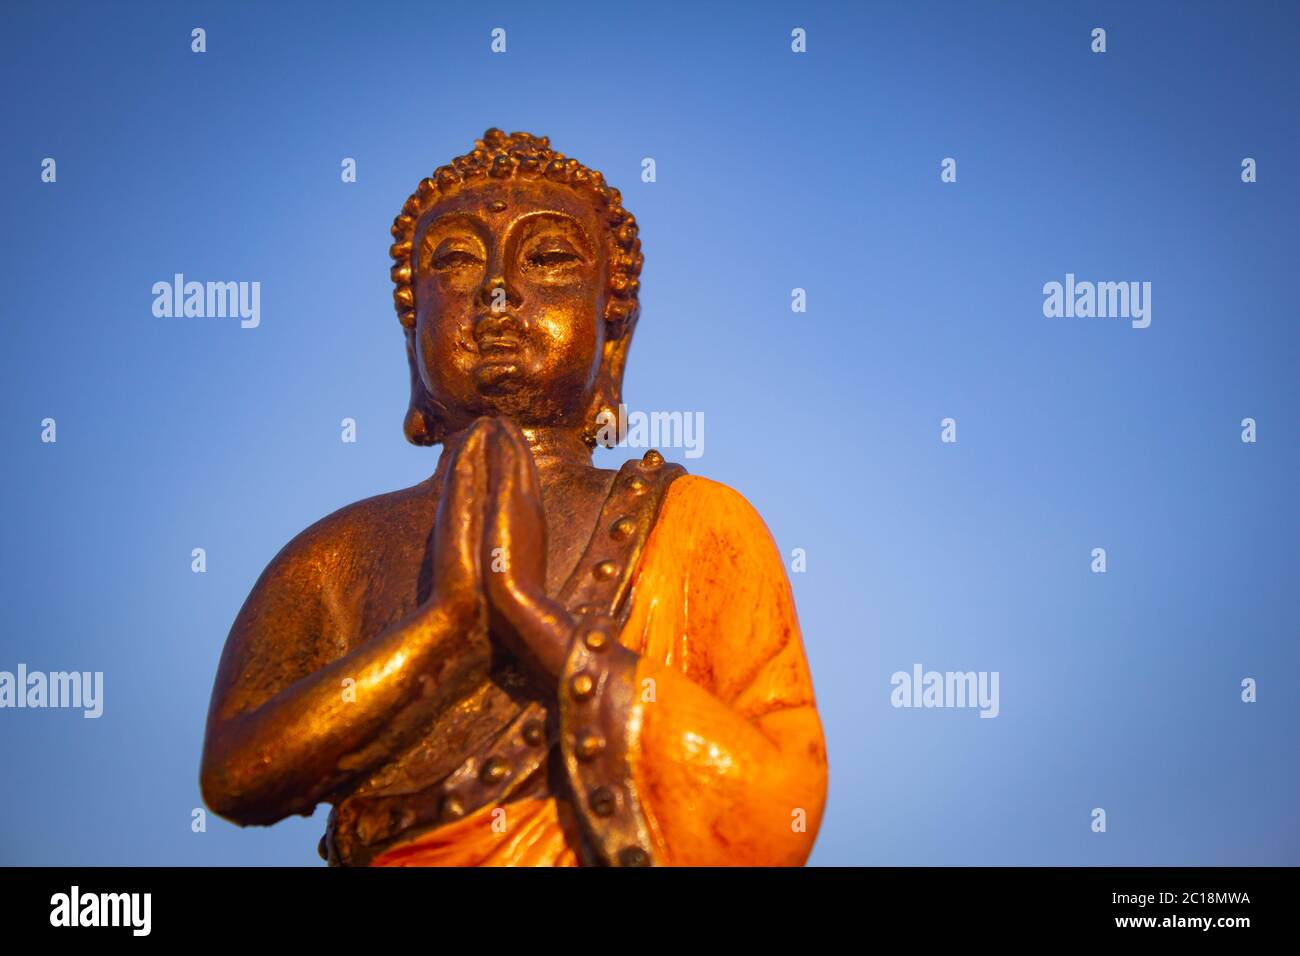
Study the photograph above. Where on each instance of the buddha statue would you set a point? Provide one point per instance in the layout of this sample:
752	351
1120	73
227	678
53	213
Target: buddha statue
524	659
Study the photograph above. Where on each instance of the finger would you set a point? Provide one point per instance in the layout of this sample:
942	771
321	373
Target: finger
468	462
519	499
447	460
475	430
512	430
526	479
526	470
511	511
483	425
497	453
496	543
461	508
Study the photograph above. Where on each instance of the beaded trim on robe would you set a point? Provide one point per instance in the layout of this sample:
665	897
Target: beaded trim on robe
515	759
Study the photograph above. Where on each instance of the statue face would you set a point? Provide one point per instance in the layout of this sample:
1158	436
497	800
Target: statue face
510	286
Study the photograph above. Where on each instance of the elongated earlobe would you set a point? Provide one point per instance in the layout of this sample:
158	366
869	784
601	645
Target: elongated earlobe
601	423
422	425
418	428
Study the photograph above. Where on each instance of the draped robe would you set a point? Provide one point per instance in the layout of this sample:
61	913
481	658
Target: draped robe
713	746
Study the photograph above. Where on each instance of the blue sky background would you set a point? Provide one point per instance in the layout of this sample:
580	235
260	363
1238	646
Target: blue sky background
775	171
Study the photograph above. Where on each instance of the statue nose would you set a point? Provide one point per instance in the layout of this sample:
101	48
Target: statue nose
496	295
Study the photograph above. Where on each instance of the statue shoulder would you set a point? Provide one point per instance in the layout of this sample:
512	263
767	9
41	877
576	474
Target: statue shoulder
710	514
710	503
712	569
345	541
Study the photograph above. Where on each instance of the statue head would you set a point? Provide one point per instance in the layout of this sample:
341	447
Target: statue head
516	272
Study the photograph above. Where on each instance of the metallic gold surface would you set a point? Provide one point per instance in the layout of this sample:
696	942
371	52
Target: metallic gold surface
418	658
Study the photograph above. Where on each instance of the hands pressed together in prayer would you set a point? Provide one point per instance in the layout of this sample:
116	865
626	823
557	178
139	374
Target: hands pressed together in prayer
489	545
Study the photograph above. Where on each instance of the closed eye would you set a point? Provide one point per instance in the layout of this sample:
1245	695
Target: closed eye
454	259
553	257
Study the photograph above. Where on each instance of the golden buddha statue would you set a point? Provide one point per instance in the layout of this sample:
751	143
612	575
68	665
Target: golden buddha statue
524	659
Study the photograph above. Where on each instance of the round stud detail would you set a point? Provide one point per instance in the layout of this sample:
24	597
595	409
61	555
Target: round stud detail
582	686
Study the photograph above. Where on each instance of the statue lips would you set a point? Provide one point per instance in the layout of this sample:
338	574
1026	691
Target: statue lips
500	348
497	338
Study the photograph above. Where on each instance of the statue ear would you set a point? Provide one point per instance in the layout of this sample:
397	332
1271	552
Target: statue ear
422	425
608	393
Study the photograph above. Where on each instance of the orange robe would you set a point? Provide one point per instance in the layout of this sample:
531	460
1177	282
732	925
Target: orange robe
725	747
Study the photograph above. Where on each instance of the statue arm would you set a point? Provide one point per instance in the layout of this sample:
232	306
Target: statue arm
265	759
299	709
699	741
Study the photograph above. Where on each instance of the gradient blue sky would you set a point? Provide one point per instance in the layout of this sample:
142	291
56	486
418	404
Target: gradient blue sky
775	170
